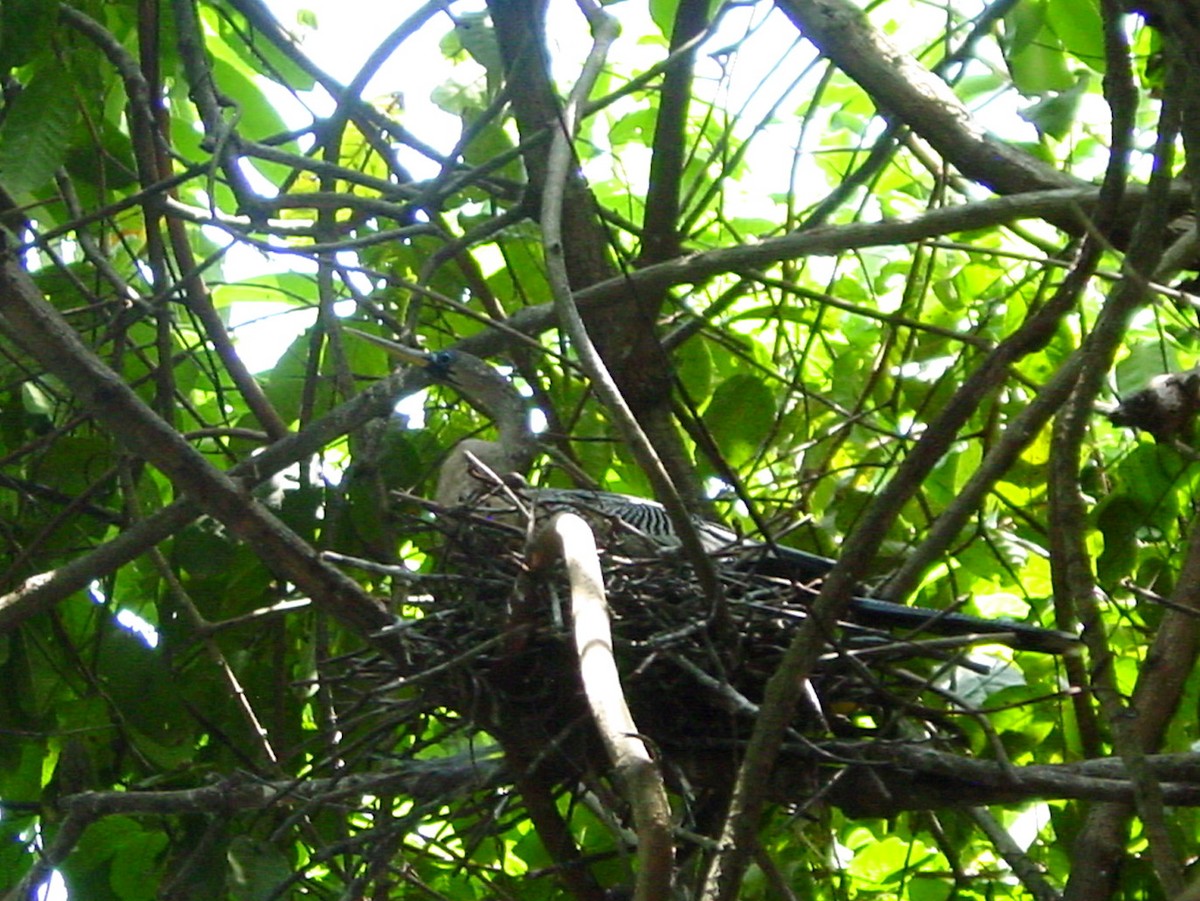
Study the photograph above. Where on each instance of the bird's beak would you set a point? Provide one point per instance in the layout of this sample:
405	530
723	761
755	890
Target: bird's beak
405	354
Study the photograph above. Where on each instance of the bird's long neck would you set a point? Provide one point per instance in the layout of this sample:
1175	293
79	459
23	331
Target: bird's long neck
512	453
510	413
459	478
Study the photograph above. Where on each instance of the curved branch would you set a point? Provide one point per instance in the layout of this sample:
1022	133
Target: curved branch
910	92
553	201
635	768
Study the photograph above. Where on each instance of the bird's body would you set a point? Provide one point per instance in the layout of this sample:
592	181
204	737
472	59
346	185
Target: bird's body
638	527
643	526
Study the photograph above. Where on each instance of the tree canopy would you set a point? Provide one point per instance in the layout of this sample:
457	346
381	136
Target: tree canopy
910	286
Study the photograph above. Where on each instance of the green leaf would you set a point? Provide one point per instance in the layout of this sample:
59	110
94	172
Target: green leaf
21	772
37	131
256	116
1149	476
1143	363
89	871
1039	69
137	679
1080	28
25	28
740	416
884	862
262	55
1034	53
694	369
1117	518
663	14
636	127
109	167
256	869
289	289
135	866
1054	115
1022	25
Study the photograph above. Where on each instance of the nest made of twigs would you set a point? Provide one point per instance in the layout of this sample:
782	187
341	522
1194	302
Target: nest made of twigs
490	657
686	681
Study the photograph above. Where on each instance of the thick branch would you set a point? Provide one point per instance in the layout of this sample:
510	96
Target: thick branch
635	768
660	231
922	101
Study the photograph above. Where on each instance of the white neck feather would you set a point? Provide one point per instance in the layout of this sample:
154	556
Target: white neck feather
457	480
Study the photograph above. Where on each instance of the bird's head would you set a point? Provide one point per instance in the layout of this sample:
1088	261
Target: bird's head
439	366
480	383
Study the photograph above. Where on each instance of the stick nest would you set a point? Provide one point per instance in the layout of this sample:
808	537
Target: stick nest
492	644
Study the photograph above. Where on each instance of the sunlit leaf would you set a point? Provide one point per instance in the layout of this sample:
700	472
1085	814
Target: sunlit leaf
740	416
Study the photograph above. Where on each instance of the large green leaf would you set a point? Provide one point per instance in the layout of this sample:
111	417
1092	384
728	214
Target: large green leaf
740	416
256	869
25	27
1033	52
37	130
1079	27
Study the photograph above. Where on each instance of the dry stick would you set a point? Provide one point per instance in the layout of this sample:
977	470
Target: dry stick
604	27
149	153
635	768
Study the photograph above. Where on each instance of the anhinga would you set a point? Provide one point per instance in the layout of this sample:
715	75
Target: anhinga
459	482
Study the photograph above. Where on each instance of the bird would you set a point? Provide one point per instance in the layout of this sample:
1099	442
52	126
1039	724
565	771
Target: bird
1166	408
474	464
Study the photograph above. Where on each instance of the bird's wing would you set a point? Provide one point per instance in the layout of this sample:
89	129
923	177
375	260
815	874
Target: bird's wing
649	527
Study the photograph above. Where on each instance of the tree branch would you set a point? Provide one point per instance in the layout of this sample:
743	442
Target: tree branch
42	331
635	768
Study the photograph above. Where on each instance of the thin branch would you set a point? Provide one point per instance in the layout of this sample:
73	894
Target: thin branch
42	331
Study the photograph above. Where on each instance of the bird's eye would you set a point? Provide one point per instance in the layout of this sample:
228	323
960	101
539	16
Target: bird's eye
440	363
